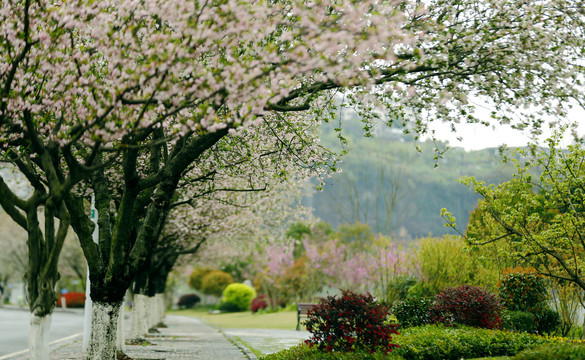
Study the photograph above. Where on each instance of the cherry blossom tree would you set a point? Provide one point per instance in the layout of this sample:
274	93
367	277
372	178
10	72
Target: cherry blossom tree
249	185
148	87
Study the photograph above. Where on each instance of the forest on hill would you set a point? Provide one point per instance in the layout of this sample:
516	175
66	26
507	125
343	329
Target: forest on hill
394	183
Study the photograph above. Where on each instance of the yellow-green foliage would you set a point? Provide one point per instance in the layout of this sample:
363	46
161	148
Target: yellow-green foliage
239	295
215	282
447	262
197	275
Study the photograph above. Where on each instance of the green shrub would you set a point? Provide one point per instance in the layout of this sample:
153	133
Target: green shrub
433	342
553	352
188	301
228	306
215	282
522	321
239	295
547	321
413	312
304	352
522	289
197	276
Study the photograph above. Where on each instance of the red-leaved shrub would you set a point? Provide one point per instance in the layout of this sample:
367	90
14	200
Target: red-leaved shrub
259	302
348	322
72	299
467	305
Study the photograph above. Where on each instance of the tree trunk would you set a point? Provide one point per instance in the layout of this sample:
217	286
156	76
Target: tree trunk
120	340
38	336
160	307
139	317
104	324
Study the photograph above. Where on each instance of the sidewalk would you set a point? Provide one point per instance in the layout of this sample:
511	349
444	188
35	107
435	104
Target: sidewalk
188	338
184	339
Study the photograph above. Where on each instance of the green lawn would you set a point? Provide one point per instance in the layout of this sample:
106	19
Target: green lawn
282	320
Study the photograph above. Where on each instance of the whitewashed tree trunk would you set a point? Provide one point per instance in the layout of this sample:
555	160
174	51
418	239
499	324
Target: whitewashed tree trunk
104	324
38	337
161	307
139	321
120	340
149	304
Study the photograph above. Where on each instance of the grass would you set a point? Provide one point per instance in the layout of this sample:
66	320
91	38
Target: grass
282	320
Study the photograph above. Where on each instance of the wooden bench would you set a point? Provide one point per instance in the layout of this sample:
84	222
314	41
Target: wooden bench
302	311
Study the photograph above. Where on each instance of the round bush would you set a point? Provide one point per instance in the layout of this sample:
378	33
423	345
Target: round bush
523	289
197	276
188	301
240	295
413	312
547	321
522	321
467	305
350	322
215	282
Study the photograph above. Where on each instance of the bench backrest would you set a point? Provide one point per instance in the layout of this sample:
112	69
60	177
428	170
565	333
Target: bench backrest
303	308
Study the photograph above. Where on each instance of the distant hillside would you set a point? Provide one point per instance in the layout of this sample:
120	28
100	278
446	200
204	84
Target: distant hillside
397	190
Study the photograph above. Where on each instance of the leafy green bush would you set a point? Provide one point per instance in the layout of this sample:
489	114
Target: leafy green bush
188	301
467	305
522	321
522	289
215	282
433	342
553	352
547	321
239	295
304	352
413	312
228	306
197	276
350	322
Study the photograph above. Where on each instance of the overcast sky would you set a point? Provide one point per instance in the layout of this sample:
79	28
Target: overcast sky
476	137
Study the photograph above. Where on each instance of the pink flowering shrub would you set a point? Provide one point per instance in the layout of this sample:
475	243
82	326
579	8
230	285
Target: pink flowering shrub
349	322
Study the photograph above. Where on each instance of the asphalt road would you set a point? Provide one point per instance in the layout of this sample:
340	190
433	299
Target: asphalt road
14	324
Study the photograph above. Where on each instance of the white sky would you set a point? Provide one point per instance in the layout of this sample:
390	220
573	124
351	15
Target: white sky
476	136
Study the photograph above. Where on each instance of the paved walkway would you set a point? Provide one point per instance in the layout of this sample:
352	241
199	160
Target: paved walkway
191	339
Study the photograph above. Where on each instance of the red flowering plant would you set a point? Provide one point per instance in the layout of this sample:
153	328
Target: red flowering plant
349	322
259	302
467	305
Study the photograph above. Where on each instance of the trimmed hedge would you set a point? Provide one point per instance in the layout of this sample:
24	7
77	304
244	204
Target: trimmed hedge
453	343
432	342
553	352
304	352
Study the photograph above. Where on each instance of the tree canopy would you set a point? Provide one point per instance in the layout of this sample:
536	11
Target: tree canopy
122	98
